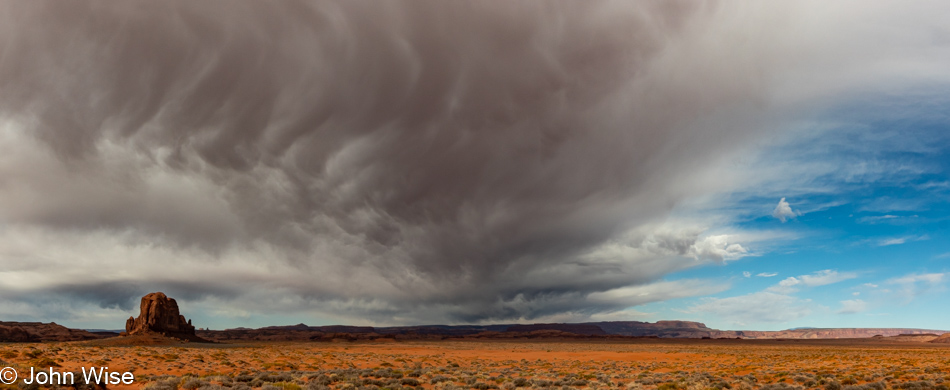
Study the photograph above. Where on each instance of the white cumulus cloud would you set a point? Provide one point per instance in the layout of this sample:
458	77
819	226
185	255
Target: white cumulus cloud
717	248
783	211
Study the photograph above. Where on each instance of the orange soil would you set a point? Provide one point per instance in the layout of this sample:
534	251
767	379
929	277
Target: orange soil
490	357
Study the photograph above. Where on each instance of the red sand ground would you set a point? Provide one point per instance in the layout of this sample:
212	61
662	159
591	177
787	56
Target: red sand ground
857	361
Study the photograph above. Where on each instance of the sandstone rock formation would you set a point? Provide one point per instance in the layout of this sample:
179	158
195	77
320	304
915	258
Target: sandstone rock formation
159	315
943	339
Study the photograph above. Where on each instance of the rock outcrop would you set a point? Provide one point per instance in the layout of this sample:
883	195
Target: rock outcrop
159	315
943	339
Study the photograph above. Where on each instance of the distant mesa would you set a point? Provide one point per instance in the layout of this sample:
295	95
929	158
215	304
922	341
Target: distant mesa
943	339
159	316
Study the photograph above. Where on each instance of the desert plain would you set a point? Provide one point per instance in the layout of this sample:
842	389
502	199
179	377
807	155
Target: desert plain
649	363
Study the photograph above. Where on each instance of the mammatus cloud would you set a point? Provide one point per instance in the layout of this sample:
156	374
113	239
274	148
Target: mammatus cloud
415	161
403	162
783	211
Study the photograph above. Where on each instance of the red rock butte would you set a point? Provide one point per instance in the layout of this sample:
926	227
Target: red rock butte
159	315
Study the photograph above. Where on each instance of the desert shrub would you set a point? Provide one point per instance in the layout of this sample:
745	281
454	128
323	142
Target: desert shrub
322	380
44	362
876	385
192	383
373	382
438	379
521	382
923	385
32	386
275	377
32	354
832	385
287	385
780	386
241	386
212	387
270	386
314	385
410	382
667	386
719	385
867	386
165	383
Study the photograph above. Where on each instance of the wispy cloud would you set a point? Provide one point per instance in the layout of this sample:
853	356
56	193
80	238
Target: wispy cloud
759	307
767	274
901	240
819	278
888	218
913	285
852	306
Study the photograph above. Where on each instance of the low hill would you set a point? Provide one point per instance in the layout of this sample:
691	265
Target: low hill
39	331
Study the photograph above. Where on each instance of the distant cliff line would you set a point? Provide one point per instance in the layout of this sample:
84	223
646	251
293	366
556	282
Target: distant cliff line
612	329
37	332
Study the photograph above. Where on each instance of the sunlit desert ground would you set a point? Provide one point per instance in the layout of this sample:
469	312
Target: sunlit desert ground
483	365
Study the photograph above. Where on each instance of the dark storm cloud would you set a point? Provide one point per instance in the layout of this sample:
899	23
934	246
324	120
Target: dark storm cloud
453	161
